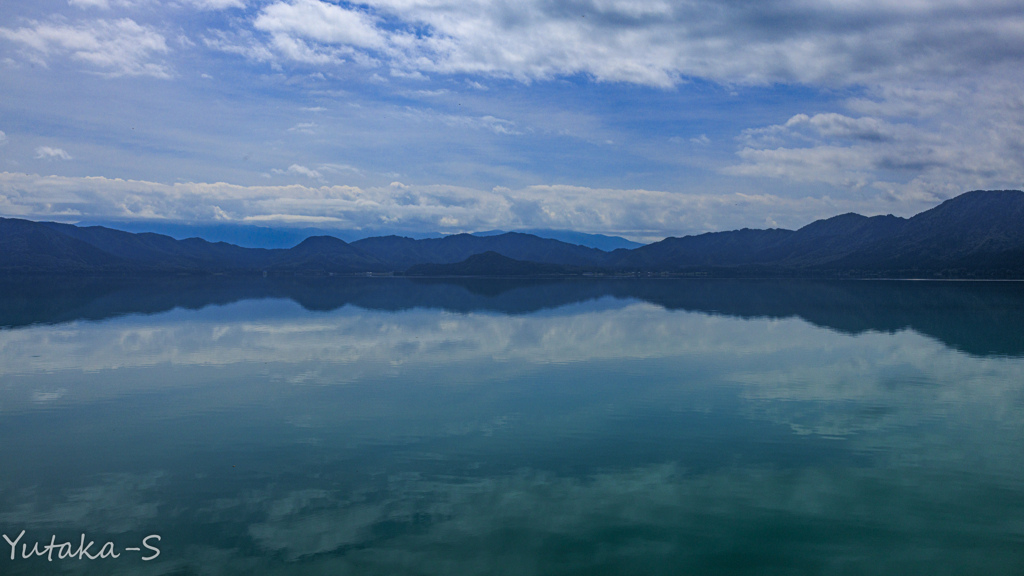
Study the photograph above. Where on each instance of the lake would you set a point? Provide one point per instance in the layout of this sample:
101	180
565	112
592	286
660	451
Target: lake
463	427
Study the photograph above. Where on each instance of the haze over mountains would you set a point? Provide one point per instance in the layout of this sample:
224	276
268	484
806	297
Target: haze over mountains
978	234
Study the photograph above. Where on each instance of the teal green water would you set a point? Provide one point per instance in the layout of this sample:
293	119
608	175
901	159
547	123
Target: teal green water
380	426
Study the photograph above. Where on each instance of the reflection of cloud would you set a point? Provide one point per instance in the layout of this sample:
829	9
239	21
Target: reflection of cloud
115	503
312	522
929	436
772	361
43	397
655	519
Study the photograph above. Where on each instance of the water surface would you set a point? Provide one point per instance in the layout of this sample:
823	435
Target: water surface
389	426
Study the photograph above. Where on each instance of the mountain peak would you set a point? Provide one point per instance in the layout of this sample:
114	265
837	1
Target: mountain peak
321	243
1004	207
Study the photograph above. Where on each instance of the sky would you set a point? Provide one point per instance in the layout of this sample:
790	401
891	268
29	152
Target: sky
642	118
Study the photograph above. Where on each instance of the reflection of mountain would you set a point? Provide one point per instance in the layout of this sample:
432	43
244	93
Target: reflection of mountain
486	264
982	318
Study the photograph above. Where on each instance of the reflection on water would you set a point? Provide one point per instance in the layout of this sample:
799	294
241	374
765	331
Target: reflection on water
976	317
384	426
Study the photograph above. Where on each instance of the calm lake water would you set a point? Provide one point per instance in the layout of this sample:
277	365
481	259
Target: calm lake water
389	426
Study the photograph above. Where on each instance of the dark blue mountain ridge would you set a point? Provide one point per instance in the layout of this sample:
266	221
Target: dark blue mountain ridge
978	234
404	252
599	241
328	254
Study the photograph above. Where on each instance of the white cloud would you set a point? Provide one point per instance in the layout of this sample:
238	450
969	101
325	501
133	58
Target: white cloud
300	170
339	168
48	153
3	138
104	4
305	128
114	47
199	4
321	22
216	4
315	32
242	43
638	214
101	4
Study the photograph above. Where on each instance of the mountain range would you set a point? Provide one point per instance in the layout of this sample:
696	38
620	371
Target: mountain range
978	234
260	236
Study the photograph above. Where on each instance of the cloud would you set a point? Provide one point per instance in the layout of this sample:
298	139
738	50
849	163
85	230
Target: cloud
320	22
48	153
104	4
639	214
101	4
113	47
300	170
963	139
655	42
200	4
339	168
216	4
316	32
242	43
305	128
3	138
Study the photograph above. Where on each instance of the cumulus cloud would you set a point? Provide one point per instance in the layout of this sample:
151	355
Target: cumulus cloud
317	32
48	153
637	214
114	47
320	22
